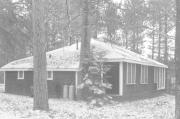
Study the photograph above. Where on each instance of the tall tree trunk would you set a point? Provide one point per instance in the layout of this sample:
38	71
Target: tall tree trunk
177	60
159	40
134	40
153	38
69	31
153	43
39	52
166	40
95	33
137	38
85	45
126	37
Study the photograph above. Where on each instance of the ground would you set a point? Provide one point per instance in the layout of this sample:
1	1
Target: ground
20	107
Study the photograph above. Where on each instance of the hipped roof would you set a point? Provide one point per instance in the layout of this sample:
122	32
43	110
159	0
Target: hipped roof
67	58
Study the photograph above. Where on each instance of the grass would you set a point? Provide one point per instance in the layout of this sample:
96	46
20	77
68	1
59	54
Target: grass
20	107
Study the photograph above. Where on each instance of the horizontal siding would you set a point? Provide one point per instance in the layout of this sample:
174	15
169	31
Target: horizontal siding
22	87
138	89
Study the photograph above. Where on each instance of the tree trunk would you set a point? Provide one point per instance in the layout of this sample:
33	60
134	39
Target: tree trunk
85	45
166	41
134	40
39	50
69	31
126	37
159	40
177	61
153	39
95	33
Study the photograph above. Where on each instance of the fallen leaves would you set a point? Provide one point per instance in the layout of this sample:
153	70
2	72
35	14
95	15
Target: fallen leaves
20	107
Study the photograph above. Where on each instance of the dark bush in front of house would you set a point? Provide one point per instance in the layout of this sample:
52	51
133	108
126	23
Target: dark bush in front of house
94	85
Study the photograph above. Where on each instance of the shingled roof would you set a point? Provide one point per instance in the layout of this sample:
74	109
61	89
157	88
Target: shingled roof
67	58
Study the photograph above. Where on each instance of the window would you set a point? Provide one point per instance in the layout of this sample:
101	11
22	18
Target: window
4	78
156	75
159	77
50	75
20	75
144	75
131	73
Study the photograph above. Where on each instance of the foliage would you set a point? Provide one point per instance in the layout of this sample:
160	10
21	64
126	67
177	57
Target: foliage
94	84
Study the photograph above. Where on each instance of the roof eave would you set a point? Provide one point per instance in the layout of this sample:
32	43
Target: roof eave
30	69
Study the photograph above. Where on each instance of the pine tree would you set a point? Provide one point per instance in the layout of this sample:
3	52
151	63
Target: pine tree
85	45
39	52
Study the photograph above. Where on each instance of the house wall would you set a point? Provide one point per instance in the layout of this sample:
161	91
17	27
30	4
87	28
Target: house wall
22	87
138	89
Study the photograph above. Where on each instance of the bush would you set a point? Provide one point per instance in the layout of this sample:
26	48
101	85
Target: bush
94	84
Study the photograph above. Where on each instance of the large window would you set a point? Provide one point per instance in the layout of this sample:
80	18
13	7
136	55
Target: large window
20	75
144	75
131	73
159	77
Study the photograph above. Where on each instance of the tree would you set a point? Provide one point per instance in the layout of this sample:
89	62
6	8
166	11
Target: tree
169	23
95	83
39	52
85	45
15	29
134	15
177	60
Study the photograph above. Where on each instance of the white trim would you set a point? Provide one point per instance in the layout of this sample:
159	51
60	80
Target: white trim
21	69
52	75
18	75
121	78
76	81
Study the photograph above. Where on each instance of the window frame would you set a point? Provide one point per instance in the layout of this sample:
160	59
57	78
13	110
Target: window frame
132	76
19	76
144	74
50	78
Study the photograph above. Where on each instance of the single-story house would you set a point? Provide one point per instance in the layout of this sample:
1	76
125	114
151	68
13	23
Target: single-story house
130	74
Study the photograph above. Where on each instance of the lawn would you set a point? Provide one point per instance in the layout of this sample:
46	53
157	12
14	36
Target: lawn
20	107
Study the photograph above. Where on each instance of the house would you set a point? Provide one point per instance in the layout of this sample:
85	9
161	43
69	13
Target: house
130	74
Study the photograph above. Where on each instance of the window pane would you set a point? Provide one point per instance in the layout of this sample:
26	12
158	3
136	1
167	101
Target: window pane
129	75
21	74
142	74
164	80
49	74
155	75
132	73
146	74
